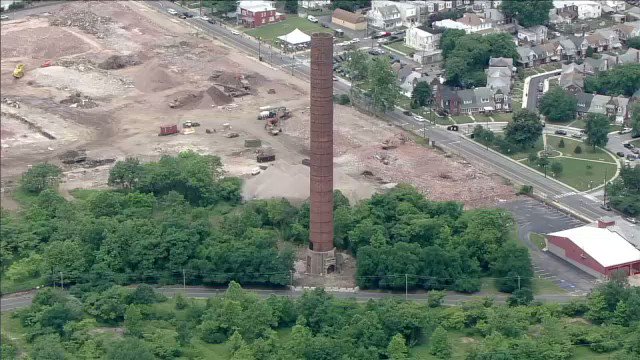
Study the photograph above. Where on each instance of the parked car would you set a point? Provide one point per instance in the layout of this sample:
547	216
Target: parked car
453	127
211	21
628	145
605	207
620	153
407	112
235	32
632	220
170	11
312	18
187	14
419	118
324	25
576	136
635	151
624	131
560	132
631	157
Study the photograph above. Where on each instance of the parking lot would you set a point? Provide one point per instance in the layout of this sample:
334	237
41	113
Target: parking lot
534	217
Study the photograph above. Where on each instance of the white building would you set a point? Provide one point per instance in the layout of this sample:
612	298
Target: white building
587	9
616	5
420	39
385	17
470	23
313	4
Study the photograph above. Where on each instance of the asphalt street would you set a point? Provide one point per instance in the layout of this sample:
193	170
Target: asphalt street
19	301
532	100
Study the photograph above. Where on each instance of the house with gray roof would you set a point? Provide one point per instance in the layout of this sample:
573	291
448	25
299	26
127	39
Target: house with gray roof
630	57
526	56
533	35
583	103
568	48
385	17
601	64
599	104
572	77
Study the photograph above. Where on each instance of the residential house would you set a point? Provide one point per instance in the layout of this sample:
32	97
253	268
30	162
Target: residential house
615	5
617	108
581	45
633	13
527	57
313	4
611	36
534	35
257	13
586	9
470	23
597	42
599	104
572	77
409	11
627	30
569	50
632	56
499	78
433	80
349	20
599	65
494	15
425	41
583	103
545	52
448	100
565	15
385	17
471	101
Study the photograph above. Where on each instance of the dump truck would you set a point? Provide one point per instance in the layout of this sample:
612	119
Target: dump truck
18	72
274	113
188	124
168	130
265	158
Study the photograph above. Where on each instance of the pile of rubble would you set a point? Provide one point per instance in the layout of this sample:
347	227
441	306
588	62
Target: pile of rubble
115	62
79	157
77	100
85	20
11	102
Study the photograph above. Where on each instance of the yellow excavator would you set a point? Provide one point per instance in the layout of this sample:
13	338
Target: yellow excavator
19	71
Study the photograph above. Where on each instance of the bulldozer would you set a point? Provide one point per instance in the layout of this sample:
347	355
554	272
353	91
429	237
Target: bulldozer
273	126
19	71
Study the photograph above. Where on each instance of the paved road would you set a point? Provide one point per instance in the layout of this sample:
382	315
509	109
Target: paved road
532	100
15	302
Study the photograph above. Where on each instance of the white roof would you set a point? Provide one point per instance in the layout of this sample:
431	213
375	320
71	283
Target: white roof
295	37
606	247
450	24
255	6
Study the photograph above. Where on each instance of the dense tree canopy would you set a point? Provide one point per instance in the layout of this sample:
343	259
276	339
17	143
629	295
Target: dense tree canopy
421	95
624	192
525	128
350	5
621	80
467	55
634	42
558	105
597	130
528	13
40	177
384	90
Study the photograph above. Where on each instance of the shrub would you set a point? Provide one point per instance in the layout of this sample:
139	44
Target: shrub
525	190
16	5
577	150
561	143
344	99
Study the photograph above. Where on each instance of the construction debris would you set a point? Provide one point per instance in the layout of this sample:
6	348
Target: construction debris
252	143
271	91
232	135
115	62
79	156
87	21
11	102
78	100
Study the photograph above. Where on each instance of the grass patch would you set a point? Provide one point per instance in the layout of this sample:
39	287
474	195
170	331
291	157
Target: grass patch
576	174
9	286
587	151
501	117
635	143
401	47
442	120
272	31
538	240
538	146
582	124
23	198
462	119
546	286
12	329
82	194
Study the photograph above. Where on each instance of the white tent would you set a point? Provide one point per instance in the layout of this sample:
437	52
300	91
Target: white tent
296	37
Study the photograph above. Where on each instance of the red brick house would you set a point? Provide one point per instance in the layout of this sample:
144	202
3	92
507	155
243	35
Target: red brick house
598	249
255	14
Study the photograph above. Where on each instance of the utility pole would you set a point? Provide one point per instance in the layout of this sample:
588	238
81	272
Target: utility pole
61	281
604	200
293	62
406	287
518	282
291	277
259	54
200	7
184	280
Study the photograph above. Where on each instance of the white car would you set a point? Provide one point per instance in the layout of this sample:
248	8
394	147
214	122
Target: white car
419	118
205	18
235	32
172	12
355	40
312	18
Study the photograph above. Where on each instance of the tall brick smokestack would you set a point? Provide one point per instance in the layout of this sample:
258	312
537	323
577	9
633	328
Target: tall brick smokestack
321	257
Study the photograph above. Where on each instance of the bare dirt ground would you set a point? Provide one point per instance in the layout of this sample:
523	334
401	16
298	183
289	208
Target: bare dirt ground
116	67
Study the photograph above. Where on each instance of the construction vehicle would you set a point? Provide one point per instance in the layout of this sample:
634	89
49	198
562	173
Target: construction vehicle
19	71
188	124
274	113
168	130
273	127
265	155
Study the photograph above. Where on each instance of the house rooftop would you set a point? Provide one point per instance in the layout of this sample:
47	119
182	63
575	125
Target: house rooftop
604	245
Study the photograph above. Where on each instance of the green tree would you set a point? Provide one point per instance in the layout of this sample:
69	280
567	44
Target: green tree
65	258
597	130
221	6
526	12
48	347
524	130
126	174
357	65
163	343
512	267
421	94
532	158
129	349
558	105
440	345
544	162
448	40
556	168
291	6
109	305
397	348
350	5
634	42
40	177
590	51
577	150
523	296
561	143
635	120
620	80
383	84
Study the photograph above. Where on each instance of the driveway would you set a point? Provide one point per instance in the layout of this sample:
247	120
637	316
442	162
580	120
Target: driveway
533	216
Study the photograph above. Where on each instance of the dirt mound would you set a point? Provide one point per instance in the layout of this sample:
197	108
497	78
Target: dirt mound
78	100
186	100
84	20
93	84
115	62
152	78
218	96
79	157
